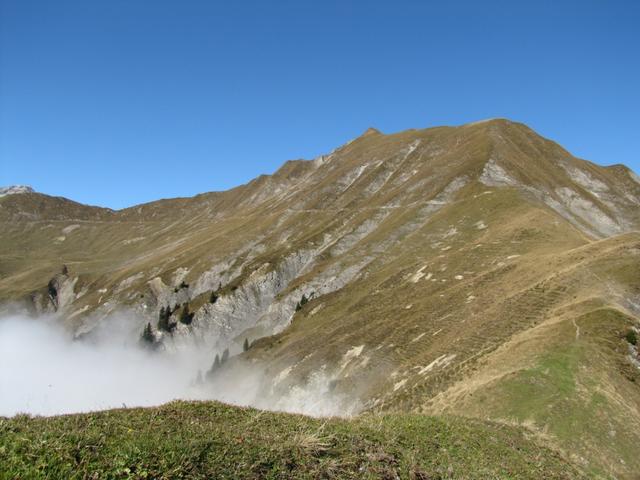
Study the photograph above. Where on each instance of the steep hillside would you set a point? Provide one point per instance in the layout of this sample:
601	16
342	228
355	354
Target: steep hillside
478	270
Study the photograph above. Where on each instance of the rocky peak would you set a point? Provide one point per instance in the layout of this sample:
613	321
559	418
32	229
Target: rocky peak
371	131
15	189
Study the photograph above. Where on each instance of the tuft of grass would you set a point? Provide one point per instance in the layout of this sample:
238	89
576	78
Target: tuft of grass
312	443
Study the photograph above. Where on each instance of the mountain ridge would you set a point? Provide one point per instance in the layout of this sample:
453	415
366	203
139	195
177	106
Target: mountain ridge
303	164
464	270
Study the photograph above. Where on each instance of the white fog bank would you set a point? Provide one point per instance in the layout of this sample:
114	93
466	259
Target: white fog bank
44	371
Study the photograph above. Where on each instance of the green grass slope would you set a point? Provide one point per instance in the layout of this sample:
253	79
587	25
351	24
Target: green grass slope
573	385
190	440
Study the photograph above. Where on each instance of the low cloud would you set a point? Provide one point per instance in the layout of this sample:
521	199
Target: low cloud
44	370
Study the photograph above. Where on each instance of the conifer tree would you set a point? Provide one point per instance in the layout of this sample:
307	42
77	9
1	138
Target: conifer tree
164	320
214	366
245	346
304	300
53	291
186	316
147	334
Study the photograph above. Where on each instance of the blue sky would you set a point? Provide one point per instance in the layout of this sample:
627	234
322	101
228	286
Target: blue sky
119	102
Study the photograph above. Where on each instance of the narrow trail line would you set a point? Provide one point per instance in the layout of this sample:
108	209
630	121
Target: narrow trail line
573	320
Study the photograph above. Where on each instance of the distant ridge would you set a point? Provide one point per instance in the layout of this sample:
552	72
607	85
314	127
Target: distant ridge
15	189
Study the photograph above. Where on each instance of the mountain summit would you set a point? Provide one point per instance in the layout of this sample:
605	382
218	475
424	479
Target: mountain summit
14	189
371	131
478	270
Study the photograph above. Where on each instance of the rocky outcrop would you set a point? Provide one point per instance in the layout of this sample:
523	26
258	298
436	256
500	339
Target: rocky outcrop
15	189
58	295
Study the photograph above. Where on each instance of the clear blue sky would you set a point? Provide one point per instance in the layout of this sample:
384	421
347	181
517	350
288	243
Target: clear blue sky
118	102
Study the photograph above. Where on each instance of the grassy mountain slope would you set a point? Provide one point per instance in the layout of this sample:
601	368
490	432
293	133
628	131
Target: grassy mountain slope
212	440
571	384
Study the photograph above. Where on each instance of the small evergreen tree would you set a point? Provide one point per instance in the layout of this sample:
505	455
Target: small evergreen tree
65	270
245	345
164	320
147	336
213	298
303	301
51	288
186	316
214	366
225	356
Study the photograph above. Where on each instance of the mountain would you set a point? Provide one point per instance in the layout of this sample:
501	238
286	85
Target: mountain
480	271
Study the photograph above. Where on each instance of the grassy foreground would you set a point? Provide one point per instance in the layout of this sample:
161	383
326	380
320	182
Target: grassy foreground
213	440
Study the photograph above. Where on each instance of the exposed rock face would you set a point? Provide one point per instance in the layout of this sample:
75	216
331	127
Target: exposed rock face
589	204
245	307
493	175
58	295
